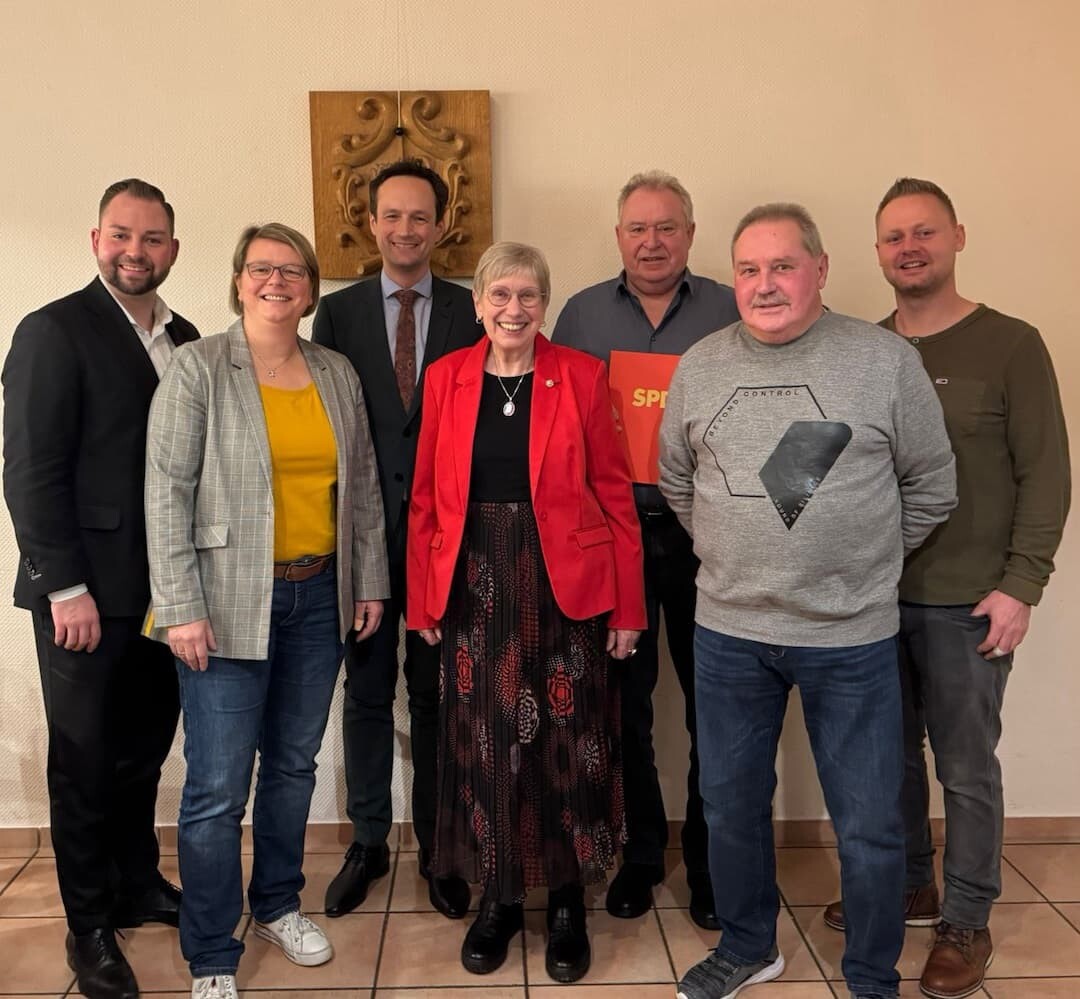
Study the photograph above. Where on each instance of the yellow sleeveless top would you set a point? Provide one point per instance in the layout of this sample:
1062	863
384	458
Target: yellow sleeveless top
303	456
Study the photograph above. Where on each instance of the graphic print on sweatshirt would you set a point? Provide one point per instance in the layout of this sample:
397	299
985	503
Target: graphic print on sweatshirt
779	437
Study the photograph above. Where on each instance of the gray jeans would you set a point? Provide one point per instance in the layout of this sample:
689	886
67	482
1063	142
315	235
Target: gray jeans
954	696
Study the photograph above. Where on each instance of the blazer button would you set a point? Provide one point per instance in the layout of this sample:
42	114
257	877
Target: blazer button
398	477
407	432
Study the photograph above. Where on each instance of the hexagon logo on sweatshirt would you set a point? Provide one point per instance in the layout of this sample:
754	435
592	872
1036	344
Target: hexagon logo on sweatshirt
776	437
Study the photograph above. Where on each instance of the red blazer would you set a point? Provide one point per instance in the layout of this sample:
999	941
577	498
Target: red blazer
579	476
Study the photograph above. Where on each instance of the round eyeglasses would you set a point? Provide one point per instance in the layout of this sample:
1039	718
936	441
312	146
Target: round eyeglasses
528	298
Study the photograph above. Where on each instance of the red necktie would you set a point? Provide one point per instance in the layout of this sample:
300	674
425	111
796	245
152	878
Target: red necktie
405	347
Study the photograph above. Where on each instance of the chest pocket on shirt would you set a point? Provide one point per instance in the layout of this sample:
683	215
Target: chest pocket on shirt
965	404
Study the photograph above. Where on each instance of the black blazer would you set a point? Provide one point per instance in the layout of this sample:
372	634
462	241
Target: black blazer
77	389
352	321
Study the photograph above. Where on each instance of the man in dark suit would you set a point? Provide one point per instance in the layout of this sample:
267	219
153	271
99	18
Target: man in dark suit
392	327
77	388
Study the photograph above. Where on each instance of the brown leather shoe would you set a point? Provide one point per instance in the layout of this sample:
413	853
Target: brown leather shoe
922	907
957	964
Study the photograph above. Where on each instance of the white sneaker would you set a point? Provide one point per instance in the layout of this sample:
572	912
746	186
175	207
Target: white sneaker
300	939
214	987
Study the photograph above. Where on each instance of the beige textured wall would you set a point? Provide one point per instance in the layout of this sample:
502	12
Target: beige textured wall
823	103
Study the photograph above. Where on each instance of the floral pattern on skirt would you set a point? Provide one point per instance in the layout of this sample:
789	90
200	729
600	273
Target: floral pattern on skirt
530	772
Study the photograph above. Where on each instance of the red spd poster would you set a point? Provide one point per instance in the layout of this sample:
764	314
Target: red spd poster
639	384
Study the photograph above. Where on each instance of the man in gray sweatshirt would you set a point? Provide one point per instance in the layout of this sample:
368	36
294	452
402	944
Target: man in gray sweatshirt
806	452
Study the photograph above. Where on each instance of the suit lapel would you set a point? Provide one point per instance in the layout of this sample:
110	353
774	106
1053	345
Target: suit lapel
465	411
115	326
247	390
440	321
546	391
177	334
379	378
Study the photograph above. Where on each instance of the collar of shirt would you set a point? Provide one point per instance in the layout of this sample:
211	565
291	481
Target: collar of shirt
162	317
686	285
421	310
389	286
685	289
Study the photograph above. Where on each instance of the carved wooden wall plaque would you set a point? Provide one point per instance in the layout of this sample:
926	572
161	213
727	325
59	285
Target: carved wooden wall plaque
354	135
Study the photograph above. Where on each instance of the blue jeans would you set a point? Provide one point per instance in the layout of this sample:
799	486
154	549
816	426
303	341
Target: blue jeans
279	707
851	702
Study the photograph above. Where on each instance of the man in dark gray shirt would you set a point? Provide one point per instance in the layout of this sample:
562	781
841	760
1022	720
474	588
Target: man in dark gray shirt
655	306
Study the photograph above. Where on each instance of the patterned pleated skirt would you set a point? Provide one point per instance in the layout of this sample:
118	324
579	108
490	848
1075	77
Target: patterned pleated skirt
530	775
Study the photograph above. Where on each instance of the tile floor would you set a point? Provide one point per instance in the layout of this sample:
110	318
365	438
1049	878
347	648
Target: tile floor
395	947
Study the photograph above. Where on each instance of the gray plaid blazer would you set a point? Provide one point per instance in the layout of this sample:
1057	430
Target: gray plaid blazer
210	502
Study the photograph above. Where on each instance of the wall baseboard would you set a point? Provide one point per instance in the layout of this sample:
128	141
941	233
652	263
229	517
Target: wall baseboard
330	837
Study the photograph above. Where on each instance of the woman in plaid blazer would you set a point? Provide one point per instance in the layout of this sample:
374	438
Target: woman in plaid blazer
266	544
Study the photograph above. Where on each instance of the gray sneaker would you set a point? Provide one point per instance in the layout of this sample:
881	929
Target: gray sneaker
717	978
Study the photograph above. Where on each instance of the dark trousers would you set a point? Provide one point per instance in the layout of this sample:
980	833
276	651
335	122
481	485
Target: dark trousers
954	695
670	572
111	717
371	672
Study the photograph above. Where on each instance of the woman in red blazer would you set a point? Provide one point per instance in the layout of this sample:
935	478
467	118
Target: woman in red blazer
524	560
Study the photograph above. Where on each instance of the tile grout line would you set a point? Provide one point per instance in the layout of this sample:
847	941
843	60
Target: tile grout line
1038	891
1034	887
26	863
386	918
787	907
667	946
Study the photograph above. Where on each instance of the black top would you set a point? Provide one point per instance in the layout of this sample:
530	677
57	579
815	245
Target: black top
500	466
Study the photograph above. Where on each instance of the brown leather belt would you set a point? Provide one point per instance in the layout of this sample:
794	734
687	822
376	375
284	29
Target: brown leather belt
300	569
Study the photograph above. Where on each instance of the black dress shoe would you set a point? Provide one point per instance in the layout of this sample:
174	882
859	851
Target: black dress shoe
101	971
630	893
568	953
159	904
484	948
702	904
363	864
450	896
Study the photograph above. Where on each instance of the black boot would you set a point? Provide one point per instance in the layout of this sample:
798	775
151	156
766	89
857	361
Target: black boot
101	971
568	952
484	947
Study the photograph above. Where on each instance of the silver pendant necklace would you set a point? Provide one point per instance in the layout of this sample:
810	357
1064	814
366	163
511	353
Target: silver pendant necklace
508	407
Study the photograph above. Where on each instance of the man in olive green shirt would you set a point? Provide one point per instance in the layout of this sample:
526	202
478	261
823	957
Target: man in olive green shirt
967	593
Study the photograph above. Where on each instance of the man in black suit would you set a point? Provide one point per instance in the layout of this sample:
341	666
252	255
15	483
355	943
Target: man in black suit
77	387
392	327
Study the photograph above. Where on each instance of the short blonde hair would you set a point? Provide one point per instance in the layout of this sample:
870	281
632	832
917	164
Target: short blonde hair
279	233
504	258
